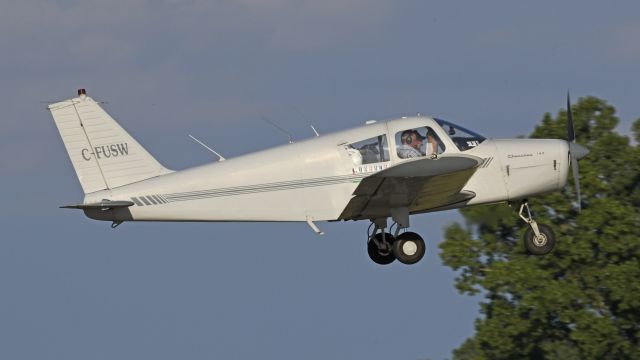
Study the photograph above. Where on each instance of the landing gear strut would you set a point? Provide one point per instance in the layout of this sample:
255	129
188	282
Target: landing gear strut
539	239
384	248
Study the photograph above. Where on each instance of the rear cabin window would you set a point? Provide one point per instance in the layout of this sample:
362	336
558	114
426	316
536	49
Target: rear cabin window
369	151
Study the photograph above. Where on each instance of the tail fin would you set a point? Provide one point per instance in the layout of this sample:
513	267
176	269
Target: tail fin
103	154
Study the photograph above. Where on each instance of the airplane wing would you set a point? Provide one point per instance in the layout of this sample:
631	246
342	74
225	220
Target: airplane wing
420	185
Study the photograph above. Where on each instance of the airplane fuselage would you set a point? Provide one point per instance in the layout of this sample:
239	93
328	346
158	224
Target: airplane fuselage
316	178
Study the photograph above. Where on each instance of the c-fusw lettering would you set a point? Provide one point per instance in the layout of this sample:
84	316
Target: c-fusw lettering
106	151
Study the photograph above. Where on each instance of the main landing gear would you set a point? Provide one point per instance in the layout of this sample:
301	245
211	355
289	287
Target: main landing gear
384	248
539	239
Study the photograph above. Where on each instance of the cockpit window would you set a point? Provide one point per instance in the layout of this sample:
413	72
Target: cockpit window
463	138
418	142
369	151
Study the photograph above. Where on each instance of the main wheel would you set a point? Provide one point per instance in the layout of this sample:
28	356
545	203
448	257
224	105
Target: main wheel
381	256
409	248
542	244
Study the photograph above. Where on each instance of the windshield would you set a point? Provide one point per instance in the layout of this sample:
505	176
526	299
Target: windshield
463	138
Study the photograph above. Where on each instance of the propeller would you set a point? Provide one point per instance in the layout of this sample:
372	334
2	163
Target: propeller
576	152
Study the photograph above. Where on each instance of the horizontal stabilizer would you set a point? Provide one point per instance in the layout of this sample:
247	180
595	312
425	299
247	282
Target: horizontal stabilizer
103	205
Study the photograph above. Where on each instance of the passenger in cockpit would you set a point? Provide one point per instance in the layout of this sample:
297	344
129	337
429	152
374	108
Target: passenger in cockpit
432	143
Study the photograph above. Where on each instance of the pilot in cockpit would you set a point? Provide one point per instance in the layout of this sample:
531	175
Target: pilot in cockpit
411	143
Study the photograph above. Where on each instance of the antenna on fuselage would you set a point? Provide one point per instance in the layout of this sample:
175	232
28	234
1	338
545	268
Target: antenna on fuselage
221	158
314	130
279	128
302	116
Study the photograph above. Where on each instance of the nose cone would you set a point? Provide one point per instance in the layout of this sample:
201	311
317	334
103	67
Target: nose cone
578	151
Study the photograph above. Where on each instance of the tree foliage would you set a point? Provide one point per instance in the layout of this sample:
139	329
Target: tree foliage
582	301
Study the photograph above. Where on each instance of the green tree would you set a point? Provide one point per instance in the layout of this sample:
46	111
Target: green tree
582	301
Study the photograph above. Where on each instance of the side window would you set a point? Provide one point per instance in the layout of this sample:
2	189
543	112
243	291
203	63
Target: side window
418	142
369	151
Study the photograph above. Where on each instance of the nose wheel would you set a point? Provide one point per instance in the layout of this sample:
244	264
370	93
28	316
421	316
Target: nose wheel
539	239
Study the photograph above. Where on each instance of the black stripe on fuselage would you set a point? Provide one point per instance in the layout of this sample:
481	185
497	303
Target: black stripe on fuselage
258	188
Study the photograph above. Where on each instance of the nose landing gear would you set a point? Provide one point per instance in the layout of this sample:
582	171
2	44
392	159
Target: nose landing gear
539	239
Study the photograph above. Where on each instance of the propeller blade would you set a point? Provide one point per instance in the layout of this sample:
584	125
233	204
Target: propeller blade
571	135
576	180
576	152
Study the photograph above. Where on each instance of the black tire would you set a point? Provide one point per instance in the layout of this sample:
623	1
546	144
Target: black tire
378	256
542	246
409	248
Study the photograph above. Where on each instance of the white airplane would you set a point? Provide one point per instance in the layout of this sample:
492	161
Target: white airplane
379	171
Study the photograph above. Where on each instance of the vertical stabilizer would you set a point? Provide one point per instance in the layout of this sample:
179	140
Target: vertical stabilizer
103	154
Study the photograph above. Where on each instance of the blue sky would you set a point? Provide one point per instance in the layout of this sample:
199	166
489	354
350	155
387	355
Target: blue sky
73	288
